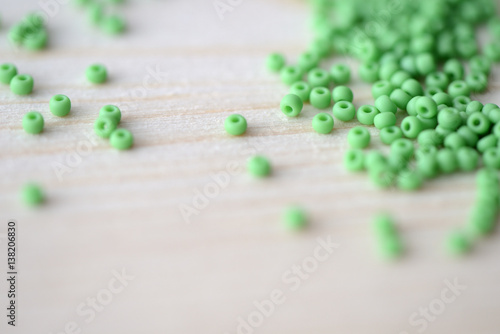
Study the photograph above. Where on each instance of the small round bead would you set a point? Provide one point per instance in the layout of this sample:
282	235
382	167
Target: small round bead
470	137
104	126
384	104
318	77
403	148
307	61
443	98
457	243
384	120
491	158
398	78
449	118
358	137
259	166
111	111
275	62
431	91
235	124
294	218
480	64
32	194
447	160
291	105
487	142
113	24
383	226
427	165
374	159
492	51
121	139
488	107
381	88
390	134
366	114
96	73
429	137
477	82
425	64
467	47
344	111
454	141
7	72
322	123
461	102
437	79
95	12
442	131
458	88
354	160
381	176
33	122
426	107
291	74
387	70
21	84
301	89
60	105
400	98
411	107
340	74
342	93
409	180
494	116
454	69
412	87
408	64
496	130
473	106
479	123
368	72
320	97
411	127
467	158
482	220
428	123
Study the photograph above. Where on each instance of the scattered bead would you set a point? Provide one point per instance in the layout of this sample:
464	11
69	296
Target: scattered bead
60	105
121	139
32	194
322	123
96	74
275	62
358	137
366	114
342	93
33	122
111	111
21	84
294	218
104	126
235	125
7	72
259	166
390	134
320	97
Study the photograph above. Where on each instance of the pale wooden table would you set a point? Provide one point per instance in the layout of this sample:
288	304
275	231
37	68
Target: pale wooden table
176	74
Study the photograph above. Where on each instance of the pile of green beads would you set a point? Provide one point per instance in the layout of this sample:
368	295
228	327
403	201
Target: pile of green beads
294	218
33	122
235	125
7	72
30	32
259	166
21	84
96	73
32	194
60	105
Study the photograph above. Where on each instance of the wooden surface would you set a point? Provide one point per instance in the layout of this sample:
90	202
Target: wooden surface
121	210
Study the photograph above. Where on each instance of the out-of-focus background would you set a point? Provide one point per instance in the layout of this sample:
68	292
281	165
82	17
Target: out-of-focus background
173	236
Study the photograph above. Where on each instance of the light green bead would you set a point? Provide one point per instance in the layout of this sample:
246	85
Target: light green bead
307	61
301	89
121	139
318	77
340	74
275	62
384	104
323	123
443	98
291	74
474	106
33	122
368	72
32	194
449	118
411	127
478	123
383	226
7	72
461	102
111	111
382	177
60	105
366	114
380	88
342	93
344	111
358	137
467	158
384	120
454	141
320	97
409	180
470	137
291	105
235	125
35	40
425	64
259	166
491	158
447	161
454	69
477	82
429	137
426	107
437	79
21	84
412	87
294	218
458	88
354	160
96	73
390	134
400	98
113	24
398	78
104	126
457	243
487	142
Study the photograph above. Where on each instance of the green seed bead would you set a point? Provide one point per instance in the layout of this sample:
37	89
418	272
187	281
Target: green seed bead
16	33
105	125
486	177
291	74
422	43
374	159
412	87
121	139
234	124
477	82
390	134
458	88
409	180
428	123
426	107
461	102
35	40
7	72
496	130
470	137
384	104
383	226
60	105
427	165
366	114
340	74
387	70
425	64
480	64
95	13
344	111
437	79
447	161
301	89
342	93
32	194
403	148
294	218
487	142
398	78
454	69
96	73
354	160
411	127
318	77
358	137
479	123
443	98
368	72
454	141
323	123
494	116
384	120
429	137
449	118
275	62
113	24
259	166
488	107
431	91
320	97
492	51
491	158
381	88
291	105
33	122
457	243
408	64
111	111
482	220
467	47
381	176
411	107
307	61
400	98
467	158
21	84
474	106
